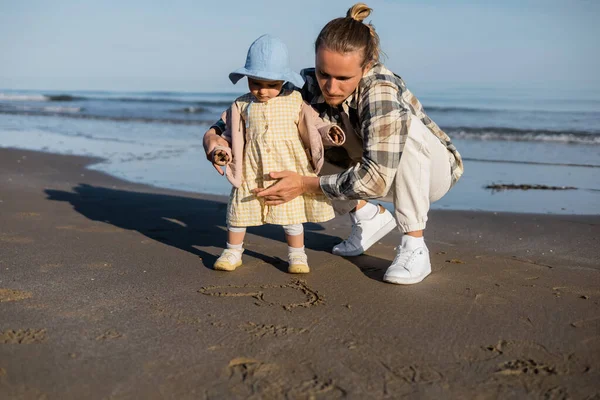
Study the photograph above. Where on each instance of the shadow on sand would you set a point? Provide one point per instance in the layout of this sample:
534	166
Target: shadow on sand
189	223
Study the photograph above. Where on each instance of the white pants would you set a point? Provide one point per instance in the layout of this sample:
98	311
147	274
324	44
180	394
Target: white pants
290	230
424	176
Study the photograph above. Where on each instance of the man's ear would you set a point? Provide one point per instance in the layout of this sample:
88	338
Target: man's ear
367	67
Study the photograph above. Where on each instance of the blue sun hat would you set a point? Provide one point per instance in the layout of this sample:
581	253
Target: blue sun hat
267	60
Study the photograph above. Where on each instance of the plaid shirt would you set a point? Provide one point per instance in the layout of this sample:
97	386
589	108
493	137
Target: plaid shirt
379	111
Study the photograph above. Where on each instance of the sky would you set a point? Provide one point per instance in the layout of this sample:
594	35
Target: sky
192	45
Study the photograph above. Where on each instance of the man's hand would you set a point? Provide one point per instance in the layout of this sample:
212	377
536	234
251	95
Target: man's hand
210	141
288	187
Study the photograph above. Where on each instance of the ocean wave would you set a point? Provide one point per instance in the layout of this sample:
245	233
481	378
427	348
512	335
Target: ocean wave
172	121
39	97
206	103
191	110
7	109
441	109
22	97
10	97
63	109
524	135
559	164
63	97
491	110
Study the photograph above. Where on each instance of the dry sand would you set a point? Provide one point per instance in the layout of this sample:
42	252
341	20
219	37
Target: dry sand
107	292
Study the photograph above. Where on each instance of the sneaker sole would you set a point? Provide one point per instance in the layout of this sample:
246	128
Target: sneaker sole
387	228
298	269
227	267
405	281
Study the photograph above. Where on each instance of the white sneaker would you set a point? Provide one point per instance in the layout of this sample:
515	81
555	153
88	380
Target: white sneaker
365	234
298	263
411	265
229	260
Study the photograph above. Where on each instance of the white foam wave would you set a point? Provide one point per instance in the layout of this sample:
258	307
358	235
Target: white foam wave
45	109
62	109
529	137
23	97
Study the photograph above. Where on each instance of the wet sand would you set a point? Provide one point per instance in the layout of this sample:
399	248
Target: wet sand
107	292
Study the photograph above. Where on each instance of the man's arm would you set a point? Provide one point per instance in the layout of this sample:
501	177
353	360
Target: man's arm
385	124
289	186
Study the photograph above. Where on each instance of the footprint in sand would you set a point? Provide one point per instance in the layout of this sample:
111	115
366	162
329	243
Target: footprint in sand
13	295
584	293
270	295
262	330
508	348
110	334
585	323
414	374
15	239
525	367
27	214
252	378
23	336
528	359
560	393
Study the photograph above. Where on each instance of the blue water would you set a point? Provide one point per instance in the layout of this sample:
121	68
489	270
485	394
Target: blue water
504	136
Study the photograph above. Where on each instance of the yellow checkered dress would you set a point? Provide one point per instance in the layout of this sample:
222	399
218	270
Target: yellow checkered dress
273	144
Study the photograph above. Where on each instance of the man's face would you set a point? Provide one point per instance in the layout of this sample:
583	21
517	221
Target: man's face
264	90
338	74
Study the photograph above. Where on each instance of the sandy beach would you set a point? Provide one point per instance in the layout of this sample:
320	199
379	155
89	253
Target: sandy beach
107	292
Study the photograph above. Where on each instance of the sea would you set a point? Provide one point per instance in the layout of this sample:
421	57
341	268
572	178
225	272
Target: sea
546	138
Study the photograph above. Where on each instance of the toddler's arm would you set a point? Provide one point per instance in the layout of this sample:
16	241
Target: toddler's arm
222	154
317	135
331	134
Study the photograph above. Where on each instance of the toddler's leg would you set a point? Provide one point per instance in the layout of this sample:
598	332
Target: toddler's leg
231	258
235	235
298	262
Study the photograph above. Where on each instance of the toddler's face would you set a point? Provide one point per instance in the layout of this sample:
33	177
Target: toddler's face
264	90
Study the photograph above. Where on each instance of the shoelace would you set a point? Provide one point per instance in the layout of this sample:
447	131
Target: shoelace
230	255
402	257
353	235
298	258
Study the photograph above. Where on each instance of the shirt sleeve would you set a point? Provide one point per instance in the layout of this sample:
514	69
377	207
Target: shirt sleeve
220	126
385	121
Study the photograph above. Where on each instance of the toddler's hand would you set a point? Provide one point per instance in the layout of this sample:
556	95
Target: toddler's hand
336	135
220	157
210	141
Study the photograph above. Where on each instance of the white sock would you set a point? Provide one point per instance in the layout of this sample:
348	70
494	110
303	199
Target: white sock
235	246
411	242
366	212
295	249
239	249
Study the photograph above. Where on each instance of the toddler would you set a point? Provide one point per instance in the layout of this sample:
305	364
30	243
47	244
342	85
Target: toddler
272	129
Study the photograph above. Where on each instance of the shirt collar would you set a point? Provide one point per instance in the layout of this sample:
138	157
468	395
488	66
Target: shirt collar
351	101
